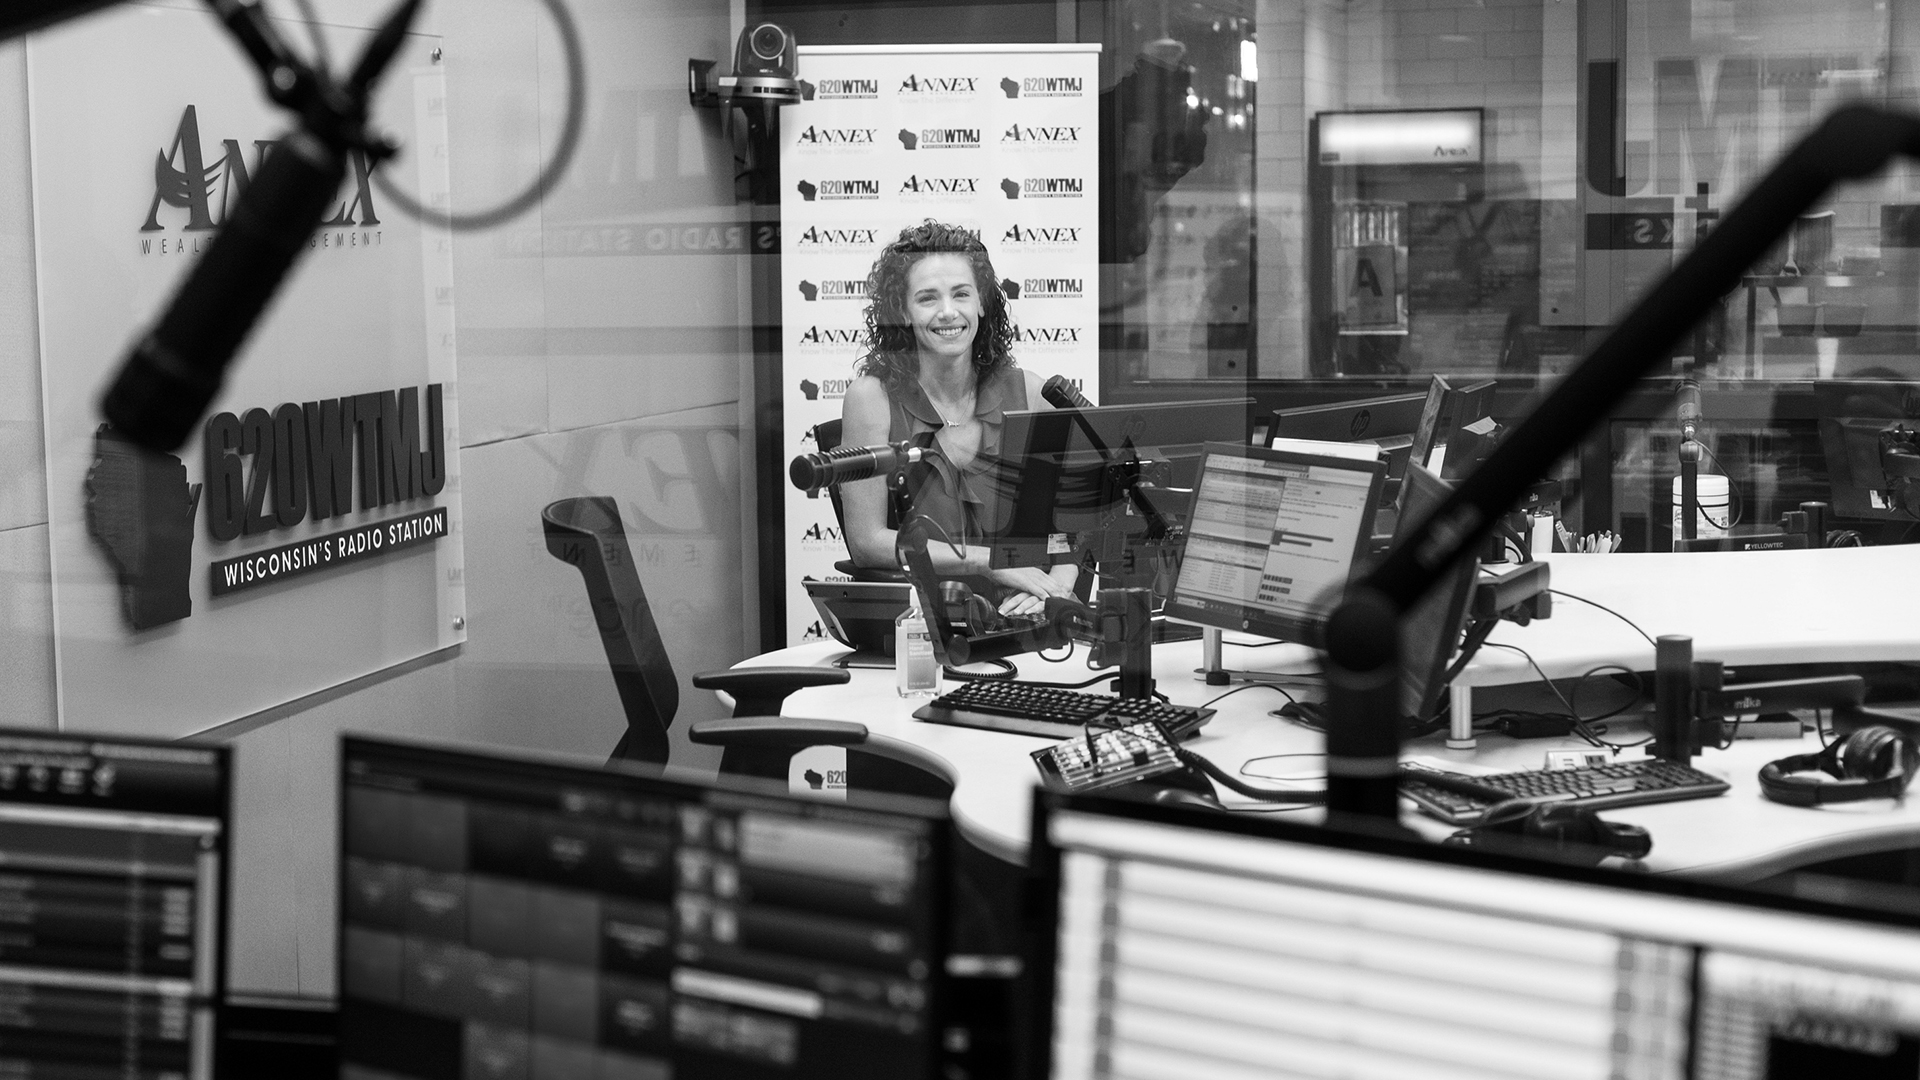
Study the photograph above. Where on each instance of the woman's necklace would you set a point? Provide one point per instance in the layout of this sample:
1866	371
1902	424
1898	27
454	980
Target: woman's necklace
965	410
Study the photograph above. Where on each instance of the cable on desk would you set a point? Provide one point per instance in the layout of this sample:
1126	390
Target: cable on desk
1068	685
1610	611
1582	726
1006	671
1272	757
1249	686
1233	784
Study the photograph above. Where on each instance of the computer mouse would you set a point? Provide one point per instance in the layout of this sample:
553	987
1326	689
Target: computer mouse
1173	796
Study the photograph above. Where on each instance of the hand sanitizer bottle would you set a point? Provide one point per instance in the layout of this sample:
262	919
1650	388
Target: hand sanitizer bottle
916	672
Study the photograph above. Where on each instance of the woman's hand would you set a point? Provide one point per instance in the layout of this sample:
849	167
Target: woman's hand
1031	586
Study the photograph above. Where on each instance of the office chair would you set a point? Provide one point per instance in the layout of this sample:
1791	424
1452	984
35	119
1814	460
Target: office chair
826	436
586	533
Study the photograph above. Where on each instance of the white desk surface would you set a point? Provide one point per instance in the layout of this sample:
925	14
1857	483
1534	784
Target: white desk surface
1741	607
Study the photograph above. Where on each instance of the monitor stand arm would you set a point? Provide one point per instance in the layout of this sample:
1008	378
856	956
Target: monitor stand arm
1691	701
1363	661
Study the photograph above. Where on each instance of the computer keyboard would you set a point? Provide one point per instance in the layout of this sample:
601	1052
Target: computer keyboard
1461	799
1026	709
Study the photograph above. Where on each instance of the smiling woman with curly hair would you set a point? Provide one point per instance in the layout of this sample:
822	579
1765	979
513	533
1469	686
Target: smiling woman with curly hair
938	368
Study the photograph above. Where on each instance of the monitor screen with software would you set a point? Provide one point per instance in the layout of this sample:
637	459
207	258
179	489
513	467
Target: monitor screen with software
510	917
115	852
1273	536
1208	946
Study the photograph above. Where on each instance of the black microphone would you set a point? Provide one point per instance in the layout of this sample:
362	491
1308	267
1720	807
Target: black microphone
21	16
1689	410
1061	395
173	374
811	472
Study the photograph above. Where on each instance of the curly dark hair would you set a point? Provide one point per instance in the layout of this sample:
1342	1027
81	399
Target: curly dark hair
890	352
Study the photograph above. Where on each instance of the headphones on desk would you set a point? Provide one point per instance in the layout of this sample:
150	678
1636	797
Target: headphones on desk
1872	763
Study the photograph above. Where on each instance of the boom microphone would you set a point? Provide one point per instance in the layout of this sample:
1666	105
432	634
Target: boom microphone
21	16
1688	412
811	472
1061	395
174	372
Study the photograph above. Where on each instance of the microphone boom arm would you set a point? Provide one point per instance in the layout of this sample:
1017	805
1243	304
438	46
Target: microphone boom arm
1361	634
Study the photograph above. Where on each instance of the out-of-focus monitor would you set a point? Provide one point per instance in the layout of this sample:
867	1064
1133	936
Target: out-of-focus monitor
1389	422
1273	538
113	877
1464	434
508	917
1054	479
1430	633
1214	945
1870	435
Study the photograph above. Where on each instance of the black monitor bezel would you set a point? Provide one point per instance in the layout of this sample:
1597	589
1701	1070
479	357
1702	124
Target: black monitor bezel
1026	433
679	782
1455	590
1303	631
1374	837
1351	421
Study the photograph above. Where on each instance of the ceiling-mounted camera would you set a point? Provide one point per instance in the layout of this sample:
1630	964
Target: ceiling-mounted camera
766	68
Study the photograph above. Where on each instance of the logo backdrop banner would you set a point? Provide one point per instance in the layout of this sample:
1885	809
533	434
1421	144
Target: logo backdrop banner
309	533
1002	139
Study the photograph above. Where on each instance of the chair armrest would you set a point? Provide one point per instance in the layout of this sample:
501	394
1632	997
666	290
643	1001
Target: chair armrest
760	691
782	732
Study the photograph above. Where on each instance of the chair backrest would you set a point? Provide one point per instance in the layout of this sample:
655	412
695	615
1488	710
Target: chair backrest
586	534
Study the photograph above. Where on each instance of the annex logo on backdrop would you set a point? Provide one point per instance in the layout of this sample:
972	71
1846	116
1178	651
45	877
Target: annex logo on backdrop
1041	137
940	186
821	238
1050	337
1044	86
939	86
854	139
820	537
1044	187
817	338
834	289
838	190
184	182
1042	239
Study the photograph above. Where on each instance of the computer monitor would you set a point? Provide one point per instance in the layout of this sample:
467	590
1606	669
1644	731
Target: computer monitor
1052	482
1430	632
1464	433
1215	945
1852	418
511	917
1390	422
1272	539
114	854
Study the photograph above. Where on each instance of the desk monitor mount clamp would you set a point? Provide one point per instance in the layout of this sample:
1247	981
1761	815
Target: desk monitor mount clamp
1692	702
1363	662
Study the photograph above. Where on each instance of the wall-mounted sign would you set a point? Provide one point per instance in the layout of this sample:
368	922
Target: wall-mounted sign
309	533
1418	137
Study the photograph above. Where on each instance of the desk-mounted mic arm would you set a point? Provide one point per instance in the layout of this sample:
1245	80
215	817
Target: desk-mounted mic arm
1363	662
